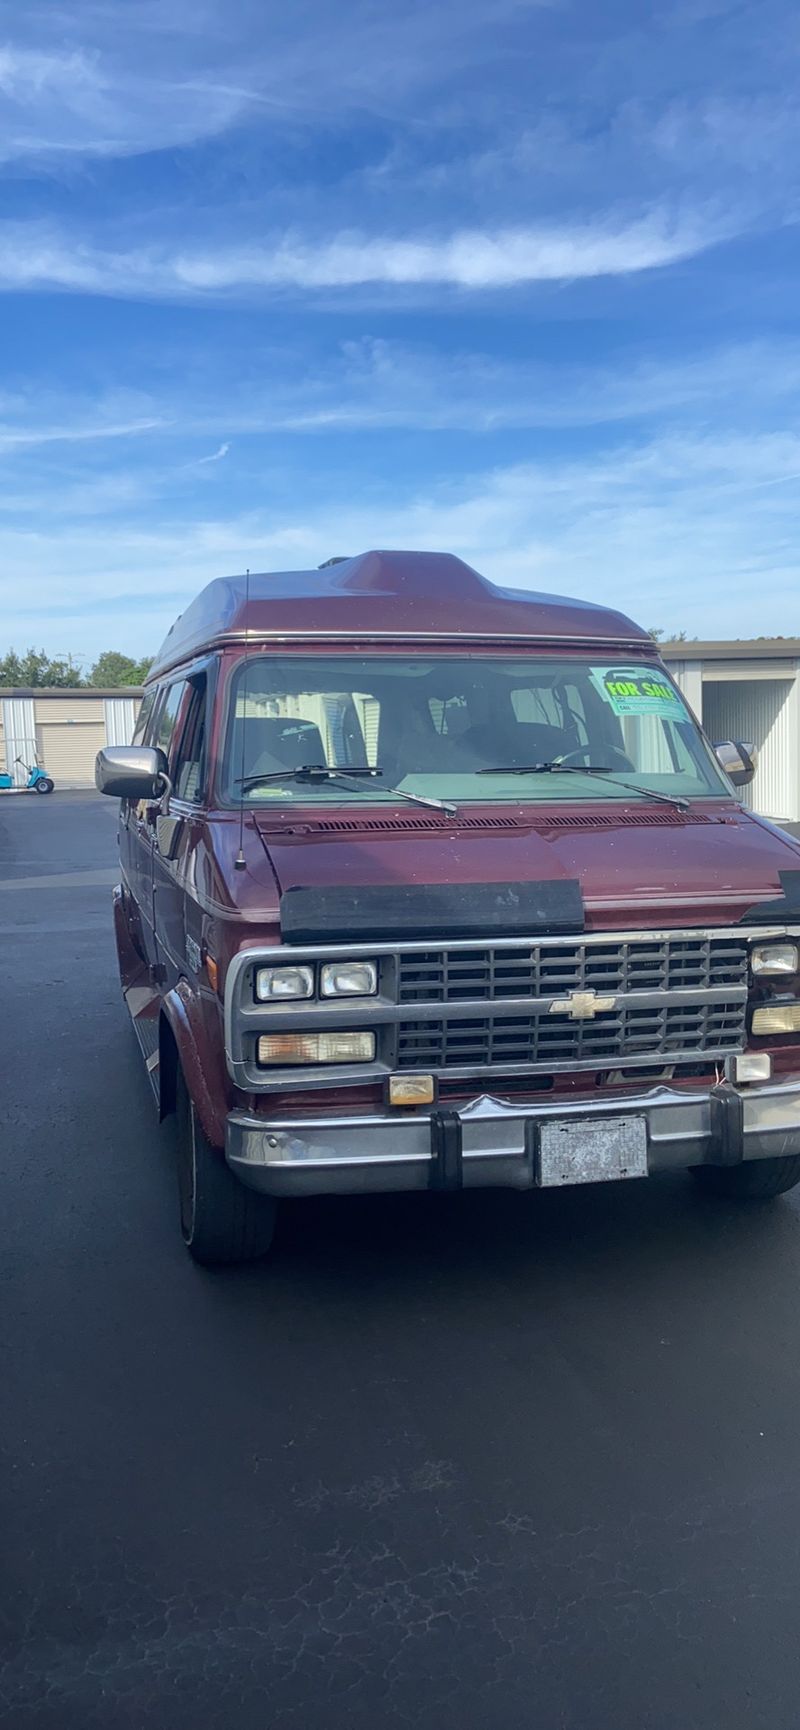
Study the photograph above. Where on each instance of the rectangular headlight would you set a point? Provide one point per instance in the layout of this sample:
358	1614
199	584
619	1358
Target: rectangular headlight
777	1018
286	1048
283	983
348	979
774	958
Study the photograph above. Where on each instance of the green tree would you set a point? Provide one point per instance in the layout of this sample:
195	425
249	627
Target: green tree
113	668
35	669
10	669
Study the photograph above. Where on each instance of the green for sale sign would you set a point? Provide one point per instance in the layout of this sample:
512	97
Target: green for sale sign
639	691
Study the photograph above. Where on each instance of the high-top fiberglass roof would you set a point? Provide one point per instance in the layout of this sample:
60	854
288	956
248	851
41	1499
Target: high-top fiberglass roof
381	596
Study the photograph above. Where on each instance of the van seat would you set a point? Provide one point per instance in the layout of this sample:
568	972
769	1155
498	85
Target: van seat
282	743
516	745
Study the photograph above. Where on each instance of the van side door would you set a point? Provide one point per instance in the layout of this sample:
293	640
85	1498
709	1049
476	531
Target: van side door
146	812
178	831
128	830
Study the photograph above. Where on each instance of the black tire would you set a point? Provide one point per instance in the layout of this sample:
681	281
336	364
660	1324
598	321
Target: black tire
754	1180
44	784
222	1222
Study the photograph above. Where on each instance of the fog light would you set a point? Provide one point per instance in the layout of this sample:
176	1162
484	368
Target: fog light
287	1048
348	979
752	1066
284	982
775	958
777	1018
411	1090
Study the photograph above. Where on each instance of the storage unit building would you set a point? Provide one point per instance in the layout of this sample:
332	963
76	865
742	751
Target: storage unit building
64	730
749	691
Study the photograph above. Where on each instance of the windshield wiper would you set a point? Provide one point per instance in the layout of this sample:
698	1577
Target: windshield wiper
600	770
317	772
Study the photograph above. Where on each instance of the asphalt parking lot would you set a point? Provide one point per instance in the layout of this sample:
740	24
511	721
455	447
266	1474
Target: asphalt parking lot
498	1461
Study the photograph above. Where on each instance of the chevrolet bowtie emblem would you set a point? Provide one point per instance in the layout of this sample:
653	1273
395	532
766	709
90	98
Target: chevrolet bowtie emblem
582	1005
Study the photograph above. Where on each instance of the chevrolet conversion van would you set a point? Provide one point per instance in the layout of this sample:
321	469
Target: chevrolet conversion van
427	883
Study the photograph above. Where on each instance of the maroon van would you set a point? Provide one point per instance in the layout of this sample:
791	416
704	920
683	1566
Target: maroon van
427	883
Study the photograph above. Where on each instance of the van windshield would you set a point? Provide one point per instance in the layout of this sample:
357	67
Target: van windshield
439	726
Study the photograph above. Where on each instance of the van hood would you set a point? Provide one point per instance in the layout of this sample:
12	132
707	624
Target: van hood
635	864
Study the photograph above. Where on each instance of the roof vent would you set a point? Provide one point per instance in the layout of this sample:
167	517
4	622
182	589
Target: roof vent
338	559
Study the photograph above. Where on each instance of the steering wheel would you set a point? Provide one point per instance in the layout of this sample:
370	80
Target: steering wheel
584	754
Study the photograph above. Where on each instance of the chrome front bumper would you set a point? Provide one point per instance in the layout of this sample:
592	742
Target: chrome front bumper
493	1143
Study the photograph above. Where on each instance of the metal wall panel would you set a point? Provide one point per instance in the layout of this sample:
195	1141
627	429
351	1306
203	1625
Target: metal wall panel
73	709
19	728
688	676
120	719
766	712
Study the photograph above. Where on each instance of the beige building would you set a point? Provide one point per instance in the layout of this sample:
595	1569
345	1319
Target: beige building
64	729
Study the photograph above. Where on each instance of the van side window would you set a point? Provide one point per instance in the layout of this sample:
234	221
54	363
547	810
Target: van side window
145	711
189	765
168	715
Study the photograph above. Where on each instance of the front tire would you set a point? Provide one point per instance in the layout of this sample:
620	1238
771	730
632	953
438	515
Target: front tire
222	1222
754	1180
44	784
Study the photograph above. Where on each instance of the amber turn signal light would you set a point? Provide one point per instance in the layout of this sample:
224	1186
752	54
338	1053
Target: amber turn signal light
316	1048
411	1090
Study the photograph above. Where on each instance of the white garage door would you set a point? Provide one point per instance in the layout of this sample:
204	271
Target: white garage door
68	753
760	710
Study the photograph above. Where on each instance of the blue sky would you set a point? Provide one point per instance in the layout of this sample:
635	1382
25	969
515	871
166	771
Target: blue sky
512	278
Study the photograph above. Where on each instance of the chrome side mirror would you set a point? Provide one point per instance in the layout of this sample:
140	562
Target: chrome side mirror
131	772
739	761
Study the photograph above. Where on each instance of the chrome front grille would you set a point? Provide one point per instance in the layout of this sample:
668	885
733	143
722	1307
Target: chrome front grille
550	1041
693	962
507	1008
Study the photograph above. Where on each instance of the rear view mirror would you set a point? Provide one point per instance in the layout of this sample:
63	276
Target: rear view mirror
130	772
739	761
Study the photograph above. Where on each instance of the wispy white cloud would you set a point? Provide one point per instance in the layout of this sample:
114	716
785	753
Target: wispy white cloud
22	438
754	133
491	139
686	531
215	457
129	80
372	385
37	256
73	103
469	259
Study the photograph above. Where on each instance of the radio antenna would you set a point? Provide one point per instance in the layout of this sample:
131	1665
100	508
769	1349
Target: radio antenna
239	862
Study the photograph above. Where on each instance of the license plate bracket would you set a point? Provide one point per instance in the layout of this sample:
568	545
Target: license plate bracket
591	1150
